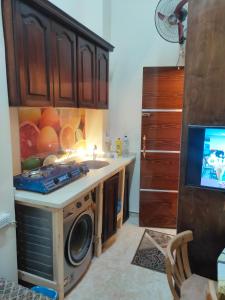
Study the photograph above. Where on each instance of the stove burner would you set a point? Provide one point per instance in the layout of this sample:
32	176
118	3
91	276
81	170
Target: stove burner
49	178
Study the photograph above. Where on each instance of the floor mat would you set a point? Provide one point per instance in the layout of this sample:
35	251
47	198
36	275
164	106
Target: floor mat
150	252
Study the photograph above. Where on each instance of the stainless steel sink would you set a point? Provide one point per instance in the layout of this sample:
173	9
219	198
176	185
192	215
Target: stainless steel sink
95	164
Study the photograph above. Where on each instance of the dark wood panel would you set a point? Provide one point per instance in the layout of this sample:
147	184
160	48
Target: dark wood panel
102	78
110	202
163	87
199	210
162	130
158	209
160	171
33	37
12	78
64	66
86	73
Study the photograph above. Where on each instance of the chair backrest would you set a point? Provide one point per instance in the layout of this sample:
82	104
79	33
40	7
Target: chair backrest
177	262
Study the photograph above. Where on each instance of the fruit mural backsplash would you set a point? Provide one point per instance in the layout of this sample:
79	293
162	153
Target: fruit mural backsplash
47	134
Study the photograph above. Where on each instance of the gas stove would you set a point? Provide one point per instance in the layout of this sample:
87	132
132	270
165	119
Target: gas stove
49	178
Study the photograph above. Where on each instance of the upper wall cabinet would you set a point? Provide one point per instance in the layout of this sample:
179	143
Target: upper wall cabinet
52	59
33	56
102	77
86	73
64	66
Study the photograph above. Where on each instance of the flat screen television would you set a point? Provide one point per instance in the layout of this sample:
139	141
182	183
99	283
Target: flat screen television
205	166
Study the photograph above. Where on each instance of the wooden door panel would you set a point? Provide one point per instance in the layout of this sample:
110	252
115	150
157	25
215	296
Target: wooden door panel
158	209
102	78
160	171
162	130
34	58
86	73
64	66
163	88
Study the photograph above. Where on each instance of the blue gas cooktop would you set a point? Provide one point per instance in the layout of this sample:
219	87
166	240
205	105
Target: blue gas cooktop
49	178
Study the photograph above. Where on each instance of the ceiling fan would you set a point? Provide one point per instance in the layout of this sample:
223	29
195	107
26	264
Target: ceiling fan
170	20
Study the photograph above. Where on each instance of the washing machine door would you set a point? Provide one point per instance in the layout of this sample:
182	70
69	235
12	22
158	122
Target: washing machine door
80	238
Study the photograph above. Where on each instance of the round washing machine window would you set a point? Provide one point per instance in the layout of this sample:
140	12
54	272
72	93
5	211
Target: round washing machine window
80	239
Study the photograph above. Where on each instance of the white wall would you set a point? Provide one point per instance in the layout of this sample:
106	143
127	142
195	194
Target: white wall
137	44
8	264
87	12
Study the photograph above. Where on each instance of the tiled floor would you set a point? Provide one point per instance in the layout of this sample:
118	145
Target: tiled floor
113	277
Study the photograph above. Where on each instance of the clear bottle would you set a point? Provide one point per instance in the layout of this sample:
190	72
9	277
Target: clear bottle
125	146
108	144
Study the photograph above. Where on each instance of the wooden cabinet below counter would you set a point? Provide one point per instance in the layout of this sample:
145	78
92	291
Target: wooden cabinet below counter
110	203
52	60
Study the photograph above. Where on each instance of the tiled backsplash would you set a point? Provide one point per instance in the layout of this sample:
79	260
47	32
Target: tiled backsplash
46	133
40	134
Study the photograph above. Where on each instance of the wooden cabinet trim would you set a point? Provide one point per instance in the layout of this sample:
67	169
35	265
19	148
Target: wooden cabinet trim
62	17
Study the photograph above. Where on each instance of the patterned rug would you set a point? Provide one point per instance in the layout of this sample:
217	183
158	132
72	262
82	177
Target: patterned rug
150	252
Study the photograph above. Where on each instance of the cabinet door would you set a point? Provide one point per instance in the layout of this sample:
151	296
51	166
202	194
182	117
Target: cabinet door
32	35
110	201
102	78
86	73
64	66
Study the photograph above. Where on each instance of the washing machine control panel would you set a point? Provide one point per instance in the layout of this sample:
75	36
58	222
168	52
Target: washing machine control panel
77	206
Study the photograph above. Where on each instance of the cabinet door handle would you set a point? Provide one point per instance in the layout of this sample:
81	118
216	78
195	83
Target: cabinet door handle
144	146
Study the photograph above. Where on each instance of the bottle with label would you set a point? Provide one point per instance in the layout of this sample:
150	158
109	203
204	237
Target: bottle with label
119	147
125	146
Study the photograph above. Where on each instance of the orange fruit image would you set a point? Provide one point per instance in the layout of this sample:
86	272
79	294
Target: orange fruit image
47	141
29	133
67	137
50	117
70	117
29	114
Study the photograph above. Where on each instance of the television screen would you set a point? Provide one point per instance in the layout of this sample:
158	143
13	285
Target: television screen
206	157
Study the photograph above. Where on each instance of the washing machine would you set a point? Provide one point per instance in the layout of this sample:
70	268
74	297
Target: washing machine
78	240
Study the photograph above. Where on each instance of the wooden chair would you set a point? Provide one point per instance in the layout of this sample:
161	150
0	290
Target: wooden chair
183	284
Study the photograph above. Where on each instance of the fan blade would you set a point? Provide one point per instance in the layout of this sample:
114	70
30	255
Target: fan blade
161	16
179	7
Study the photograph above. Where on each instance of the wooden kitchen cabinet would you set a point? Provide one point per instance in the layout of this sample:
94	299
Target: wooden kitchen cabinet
102	78
110	202
52	60
86	73
64	66
33	53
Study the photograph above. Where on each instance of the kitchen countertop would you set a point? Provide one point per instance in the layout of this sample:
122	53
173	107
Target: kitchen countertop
70	192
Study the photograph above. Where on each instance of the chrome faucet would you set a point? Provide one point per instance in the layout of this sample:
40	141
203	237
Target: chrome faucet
94	152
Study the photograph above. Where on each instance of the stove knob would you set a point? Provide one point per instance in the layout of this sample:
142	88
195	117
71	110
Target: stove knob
56	180
78	204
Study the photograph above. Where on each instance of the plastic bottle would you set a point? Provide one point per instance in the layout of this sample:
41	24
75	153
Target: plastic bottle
119	147
125	146
108	144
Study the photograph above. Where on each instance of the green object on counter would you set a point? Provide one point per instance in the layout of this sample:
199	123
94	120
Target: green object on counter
31	163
